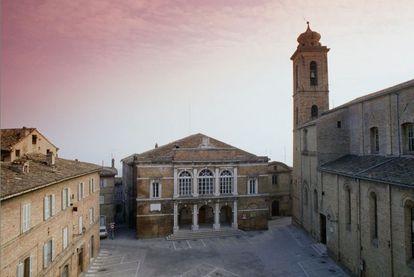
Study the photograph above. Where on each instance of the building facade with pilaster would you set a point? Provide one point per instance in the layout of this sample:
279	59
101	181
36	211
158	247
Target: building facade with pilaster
197	183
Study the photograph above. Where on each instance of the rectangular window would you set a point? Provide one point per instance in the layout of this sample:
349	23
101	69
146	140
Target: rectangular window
155	189
339	124
101	199
374	140
410	136
65	236
103	183
65	198
48	206
252	186
17	153
80	225
24	268
91	216
93	185
348	208
47	253
34	139
80	191
274	179
25	217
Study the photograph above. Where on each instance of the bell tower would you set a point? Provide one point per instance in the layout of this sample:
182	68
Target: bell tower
310	78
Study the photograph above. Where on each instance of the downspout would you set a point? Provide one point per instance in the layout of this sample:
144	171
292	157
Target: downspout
391	244
361	265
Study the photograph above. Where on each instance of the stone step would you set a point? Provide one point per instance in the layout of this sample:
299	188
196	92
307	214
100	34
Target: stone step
201	234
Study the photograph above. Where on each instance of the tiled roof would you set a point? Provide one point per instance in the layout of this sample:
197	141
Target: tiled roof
40	174
10	137
194	148
392	170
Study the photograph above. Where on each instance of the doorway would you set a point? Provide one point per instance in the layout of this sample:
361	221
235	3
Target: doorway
80	260
205	215
185	218
275	208
91	250
323	228
225	216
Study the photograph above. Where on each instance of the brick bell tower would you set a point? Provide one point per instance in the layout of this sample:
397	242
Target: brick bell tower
310	78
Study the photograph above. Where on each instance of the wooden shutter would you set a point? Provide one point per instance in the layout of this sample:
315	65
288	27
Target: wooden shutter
31	266
46	208
53	205
65	237
27	215
80	224
45	255
69	197
53	249
20	270
63	199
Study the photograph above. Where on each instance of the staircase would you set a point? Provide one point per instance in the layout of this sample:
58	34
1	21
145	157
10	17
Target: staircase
204	234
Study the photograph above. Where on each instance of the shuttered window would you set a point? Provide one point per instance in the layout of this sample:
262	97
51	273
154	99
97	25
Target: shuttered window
25	217
65	236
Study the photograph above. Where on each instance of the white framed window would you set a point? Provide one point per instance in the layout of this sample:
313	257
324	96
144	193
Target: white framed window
25	217
48	206
48	253
91	186
81	191
80	225
205	182
91	216
252	186
155	189
185	183
226	182
25	267
65	198
101	199
65	237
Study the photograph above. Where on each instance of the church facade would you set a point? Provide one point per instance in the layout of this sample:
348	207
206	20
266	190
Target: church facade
353	168
202	183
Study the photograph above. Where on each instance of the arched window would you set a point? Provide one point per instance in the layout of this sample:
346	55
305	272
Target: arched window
373	215
226	182
205	182
185	183
374	140
315	201
313	68
314	111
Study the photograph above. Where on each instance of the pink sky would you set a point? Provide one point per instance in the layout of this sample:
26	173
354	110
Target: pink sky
115	77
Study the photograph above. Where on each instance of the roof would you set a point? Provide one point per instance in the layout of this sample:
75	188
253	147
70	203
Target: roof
197	147
40	174
9	137
390	170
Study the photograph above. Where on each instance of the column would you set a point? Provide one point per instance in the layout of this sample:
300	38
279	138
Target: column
195	218
175	217
235	225
175	183
195	183
216	225
235	181
217	183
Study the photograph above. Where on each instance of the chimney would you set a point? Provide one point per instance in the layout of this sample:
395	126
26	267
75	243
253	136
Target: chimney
21	167
25	131
113	163
50	158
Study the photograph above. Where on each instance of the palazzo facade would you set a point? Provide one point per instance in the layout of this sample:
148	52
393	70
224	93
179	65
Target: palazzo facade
197	183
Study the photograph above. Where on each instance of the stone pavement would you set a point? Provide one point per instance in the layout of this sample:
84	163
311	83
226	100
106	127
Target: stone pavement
283	250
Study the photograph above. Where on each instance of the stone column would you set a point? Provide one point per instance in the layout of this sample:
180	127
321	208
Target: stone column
216	225
195	183
235	181
217	183
175	229
235	225
175	183
195	218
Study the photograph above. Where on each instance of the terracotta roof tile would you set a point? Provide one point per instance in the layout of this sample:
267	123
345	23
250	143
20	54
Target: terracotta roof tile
10	137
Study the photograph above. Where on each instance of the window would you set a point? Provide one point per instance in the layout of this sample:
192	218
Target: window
226	182
205	182
101	199
24	268
252	186
81	191
65	237
155	189
25	217
274	179
65	271
313	68
296	76
339	124
65	198
184	183
48	253
408	138
103	183
17	153
91	216
348	208
373	216
48	206
34	139
314	111
80	225
296	116
91	186
315	201
374	140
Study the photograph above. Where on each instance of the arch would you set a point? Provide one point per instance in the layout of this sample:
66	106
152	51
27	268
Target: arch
205	182
225	215
185	183
313	73
205	215
314	111
185	217
226	182
275	208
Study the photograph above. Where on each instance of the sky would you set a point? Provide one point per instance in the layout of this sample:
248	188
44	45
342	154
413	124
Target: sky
107	78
